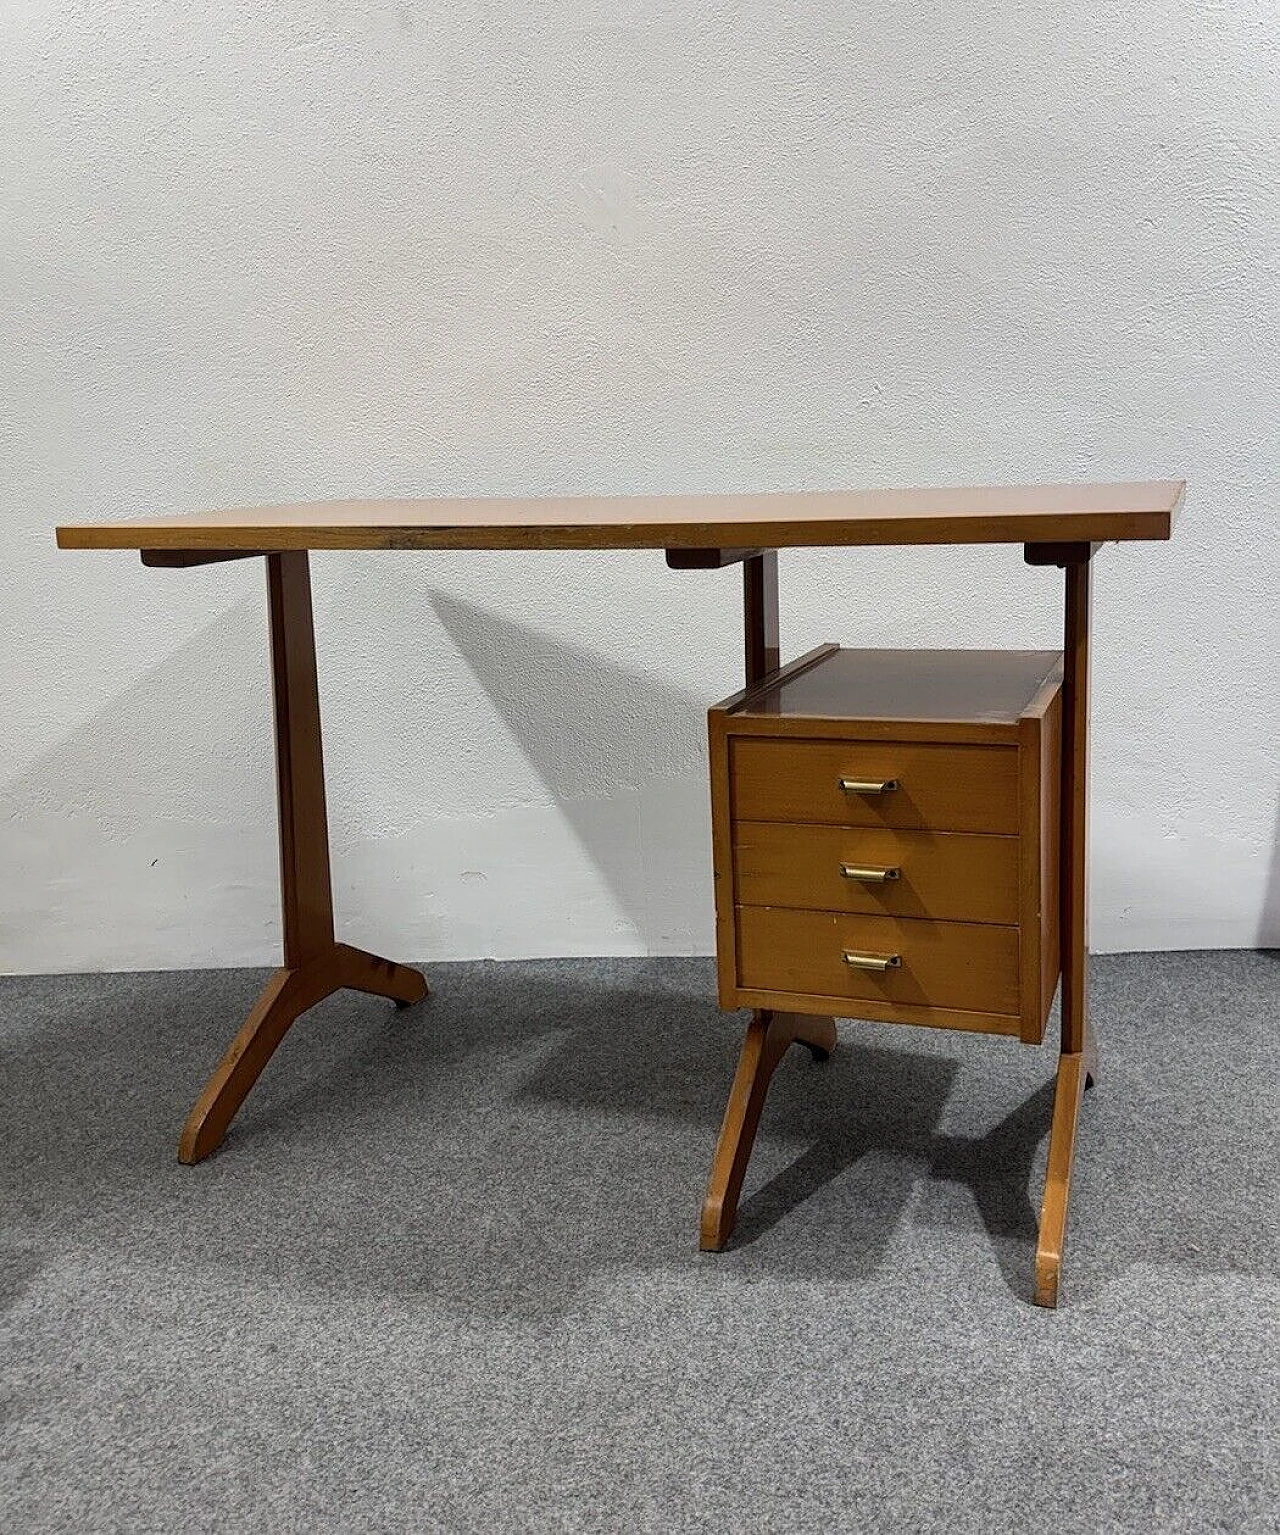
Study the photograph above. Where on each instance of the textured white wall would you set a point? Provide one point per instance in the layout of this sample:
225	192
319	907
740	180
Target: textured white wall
254	252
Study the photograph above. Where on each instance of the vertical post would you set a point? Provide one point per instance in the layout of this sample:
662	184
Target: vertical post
314	965
306	893
1076	1060
760	614
769	1034
1074	895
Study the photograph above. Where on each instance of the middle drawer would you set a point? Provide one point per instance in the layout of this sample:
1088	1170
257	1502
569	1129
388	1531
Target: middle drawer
950	876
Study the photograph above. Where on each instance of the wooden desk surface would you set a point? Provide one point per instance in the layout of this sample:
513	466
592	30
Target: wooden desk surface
815	519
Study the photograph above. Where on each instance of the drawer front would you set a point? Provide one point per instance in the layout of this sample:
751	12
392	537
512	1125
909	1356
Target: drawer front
941	788
953	876
943	964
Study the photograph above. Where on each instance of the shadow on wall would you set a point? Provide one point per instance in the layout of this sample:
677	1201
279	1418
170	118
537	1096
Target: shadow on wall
133	732
130	805
1269	922
595	732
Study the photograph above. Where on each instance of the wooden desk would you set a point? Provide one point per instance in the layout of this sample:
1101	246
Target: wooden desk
1058	525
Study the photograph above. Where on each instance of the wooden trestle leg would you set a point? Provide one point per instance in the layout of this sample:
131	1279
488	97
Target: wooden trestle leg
1077	1062
768	1034
315	965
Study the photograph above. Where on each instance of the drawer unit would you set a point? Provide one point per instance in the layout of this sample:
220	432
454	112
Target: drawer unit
886	834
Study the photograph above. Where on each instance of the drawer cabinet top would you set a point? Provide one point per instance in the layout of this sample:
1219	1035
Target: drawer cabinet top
967	688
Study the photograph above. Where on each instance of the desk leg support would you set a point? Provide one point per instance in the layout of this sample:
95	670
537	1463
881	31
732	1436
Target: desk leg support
768	1037
768	1034
315	965
1077	1062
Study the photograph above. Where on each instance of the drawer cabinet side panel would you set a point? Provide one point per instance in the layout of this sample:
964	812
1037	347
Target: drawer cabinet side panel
722	859
1051	857
1039	747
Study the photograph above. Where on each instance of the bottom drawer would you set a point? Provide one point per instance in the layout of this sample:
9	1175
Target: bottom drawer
964	965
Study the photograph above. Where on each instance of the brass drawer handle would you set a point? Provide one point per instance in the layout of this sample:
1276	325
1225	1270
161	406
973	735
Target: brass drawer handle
868	785
872	961
868	876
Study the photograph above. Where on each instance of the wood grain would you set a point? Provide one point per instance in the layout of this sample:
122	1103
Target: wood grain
966	515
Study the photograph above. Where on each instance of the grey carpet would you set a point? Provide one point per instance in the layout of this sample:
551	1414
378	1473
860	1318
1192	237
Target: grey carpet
443	1274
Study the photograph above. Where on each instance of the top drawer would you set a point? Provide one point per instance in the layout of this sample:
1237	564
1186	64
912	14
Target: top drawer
938	787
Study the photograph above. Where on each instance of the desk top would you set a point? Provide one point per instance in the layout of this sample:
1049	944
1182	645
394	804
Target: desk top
815	519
